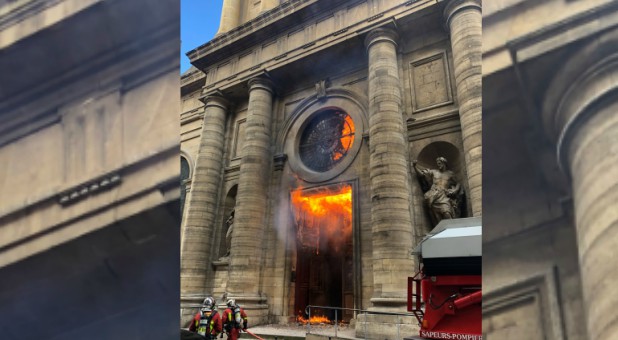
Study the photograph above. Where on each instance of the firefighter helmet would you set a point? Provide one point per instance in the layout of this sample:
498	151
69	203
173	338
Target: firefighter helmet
209	303
231	303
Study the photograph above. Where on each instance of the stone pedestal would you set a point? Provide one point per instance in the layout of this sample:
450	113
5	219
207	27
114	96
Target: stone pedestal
251	200
463	18
389	174
201	213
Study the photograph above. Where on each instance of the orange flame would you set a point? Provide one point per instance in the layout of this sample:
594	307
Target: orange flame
313	320
347	137
324	217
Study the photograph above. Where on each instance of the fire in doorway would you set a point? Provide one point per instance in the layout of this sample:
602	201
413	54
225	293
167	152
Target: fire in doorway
323	219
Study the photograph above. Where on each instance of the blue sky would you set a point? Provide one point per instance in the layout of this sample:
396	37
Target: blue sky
199	21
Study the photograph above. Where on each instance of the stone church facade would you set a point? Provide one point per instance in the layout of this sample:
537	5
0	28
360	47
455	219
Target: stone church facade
303	101
550	135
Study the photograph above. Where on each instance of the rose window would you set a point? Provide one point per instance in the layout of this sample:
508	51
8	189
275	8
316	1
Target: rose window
326	140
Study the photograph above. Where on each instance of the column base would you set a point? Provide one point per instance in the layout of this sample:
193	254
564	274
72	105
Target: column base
189	305
255	306
396	304
386	327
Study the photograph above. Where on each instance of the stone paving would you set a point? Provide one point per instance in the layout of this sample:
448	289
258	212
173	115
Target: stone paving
293	331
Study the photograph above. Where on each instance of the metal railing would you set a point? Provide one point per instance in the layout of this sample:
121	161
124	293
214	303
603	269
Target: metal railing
360	311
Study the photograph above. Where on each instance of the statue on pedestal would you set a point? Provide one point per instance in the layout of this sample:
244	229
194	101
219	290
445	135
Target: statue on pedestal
443	194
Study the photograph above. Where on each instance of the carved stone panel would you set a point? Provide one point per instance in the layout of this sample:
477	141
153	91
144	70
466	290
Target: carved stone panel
224	71
325	26
245	61
269	50
359	11
529	309
430	83
521	320
92	136
296	39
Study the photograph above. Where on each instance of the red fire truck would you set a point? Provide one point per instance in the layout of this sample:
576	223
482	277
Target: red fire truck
445	295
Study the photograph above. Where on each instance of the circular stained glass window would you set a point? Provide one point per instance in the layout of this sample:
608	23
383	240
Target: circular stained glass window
326	140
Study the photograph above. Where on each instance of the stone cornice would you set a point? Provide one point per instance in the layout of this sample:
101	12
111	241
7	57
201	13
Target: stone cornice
58	193
433	126
232	169
50	206
192	300
258	22
21	19
193	115
95	186
193	77
352	30
549	37
13	13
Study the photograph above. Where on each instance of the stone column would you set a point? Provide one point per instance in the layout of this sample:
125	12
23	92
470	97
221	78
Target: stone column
593	163
389	172
230	15
252	197
391	225
201	212
581	115
463	18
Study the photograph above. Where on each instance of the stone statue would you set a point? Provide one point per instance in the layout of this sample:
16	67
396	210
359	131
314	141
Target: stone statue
228	235
443	194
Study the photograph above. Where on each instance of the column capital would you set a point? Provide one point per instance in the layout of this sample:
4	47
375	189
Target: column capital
261	82
380	35
454	7
215	100
584	82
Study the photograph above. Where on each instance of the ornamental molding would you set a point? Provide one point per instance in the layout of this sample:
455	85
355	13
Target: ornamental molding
88	189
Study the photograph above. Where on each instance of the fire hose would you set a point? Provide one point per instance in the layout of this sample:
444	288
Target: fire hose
253	335
248	332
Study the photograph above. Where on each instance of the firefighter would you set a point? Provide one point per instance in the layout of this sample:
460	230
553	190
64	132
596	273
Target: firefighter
234	320
207	322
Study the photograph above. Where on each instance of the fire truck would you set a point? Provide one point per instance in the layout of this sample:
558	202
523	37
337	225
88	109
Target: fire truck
445	294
